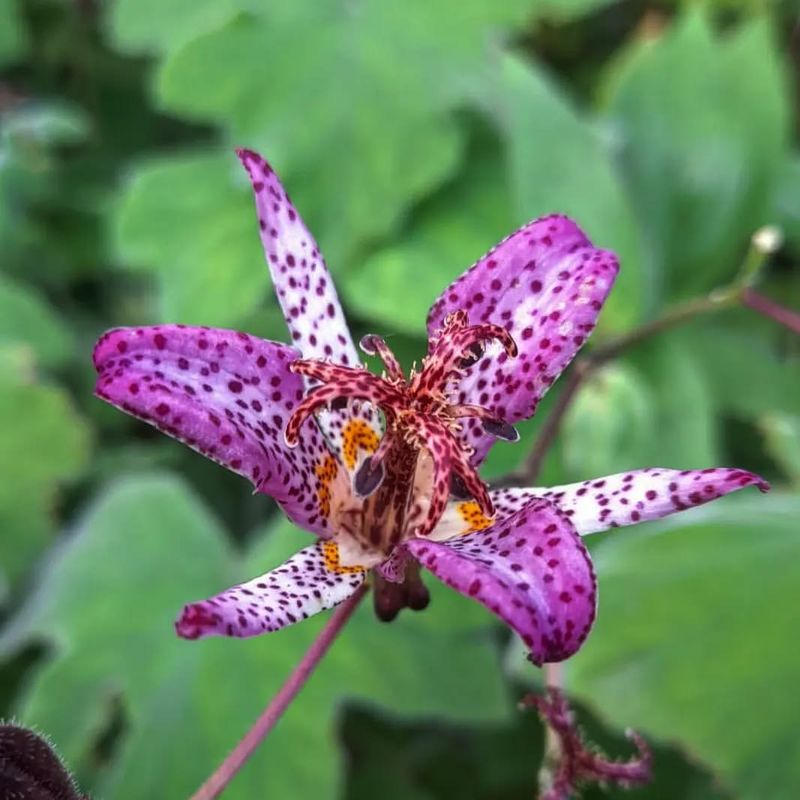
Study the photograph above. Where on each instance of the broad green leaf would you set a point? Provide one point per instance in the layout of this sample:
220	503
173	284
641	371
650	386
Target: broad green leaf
558	162
702	120
397	285
782	434
13	38
191	219
609	424
27	319
153	26
107	604
745	365
43	445
694	641
360	121
787	211
685	434
654	408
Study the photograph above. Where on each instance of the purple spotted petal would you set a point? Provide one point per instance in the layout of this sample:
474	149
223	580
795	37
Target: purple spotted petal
631	497
304	287
530	569
545	284
228	396
294	591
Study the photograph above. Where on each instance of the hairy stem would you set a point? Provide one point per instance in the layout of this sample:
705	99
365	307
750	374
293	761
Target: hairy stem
227	770
553	679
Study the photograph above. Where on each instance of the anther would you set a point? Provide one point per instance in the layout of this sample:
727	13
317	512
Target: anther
370	343
368	477
474	353
458	489
501	430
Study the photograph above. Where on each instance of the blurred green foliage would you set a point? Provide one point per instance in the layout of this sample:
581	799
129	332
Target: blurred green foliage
412	136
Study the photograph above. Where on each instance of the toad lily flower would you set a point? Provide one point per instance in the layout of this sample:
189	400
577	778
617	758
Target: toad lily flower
384	469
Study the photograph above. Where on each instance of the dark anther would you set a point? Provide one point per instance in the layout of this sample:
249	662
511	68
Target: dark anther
339	403
501	430
458	489
474	352
369	343
368	478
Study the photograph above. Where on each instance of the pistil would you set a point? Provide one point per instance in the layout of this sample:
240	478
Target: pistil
419	417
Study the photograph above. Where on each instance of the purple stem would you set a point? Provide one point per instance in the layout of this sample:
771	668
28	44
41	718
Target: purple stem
227	770
784	316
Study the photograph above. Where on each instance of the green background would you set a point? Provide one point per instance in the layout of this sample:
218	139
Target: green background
412	136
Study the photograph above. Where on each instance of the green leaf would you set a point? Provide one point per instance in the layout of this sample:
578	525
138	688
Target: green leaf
44	444
787	201
107	604
355	158
744	365
27	319
782	432
191	219
609	424
398	284
558	162
152	26
703	123
685	434
618	420
13	38
694	641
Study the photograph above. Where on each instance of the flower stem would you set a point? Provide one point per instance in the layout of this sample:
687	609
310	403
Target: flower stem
553	680
227	770
784	316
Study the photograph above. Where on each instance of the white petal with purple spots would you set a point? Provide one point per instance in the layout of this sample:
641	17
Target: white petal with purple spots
531	569
630	497
304	288
545	284
302	586
227	395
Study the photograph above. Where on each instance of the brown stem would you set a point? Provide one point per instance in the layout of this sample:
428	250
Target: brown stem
224	774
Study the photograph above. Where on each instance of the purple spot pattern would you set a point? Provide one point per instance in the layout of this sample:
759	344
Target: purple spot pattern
530	569
294	591
227	395
304	288
545	284
631	497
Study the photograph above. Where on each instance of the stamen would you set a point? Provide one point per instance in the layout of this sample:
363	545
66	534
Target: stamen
501	429
458	489
454	345
372	345
474	354
340	383
368	477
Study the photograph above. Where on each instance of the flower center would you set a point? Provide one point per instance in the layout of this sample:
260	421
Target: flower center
422	457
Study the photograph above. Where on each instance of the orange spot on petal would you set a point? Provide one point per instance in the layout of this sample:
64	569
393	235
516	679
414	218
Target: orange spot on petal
476	520
330	554
357	435
326	474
